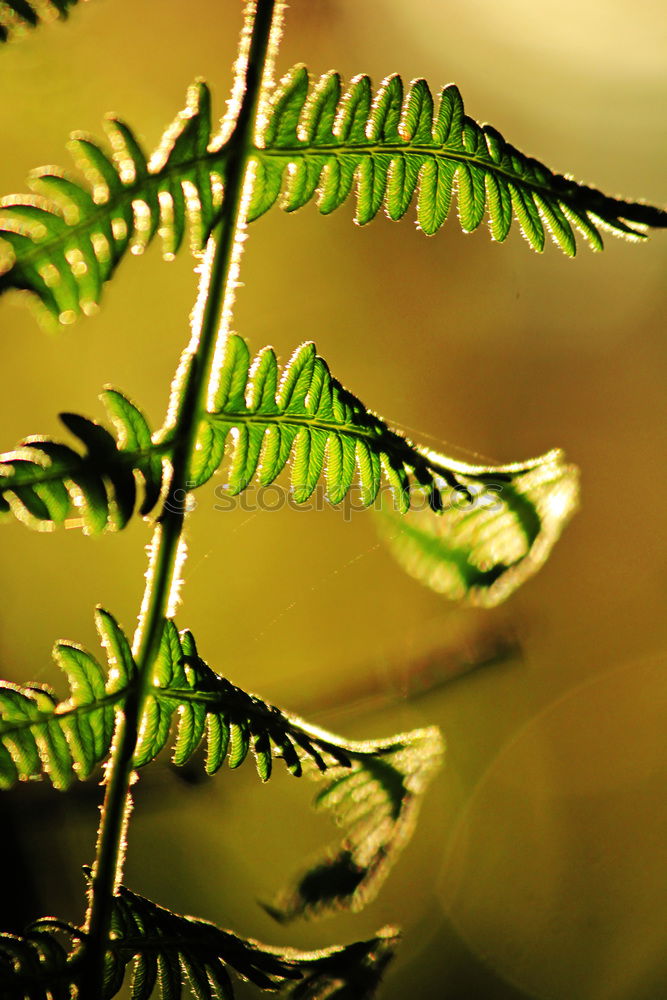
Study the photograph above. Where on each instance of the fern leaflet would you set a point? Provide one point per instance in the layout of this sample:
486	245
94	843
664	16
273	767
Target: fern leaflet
65	741
374	789
169	948
306	414
16	15
475	532
232	722
167	952
375	801
390	145
38	960
45	483
486	544
66	239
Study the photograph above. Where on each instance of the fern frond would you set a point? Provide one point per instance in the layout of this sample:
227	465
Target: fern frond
45	483
18	15
353	972
375	802
374	788
168	952
390	145
264	418
67	238
65	740
41	959
485	545
304	414
232	723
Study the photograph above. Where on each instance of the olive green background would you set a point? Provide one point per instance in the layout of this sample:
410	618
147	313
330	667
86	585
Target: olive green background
539	868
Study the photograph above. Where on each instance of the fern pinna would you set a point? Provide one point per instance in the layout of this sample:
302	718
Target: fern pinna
65	741
373	788
484	529
470	532
389	145
17	15
66	239
45	483
162	951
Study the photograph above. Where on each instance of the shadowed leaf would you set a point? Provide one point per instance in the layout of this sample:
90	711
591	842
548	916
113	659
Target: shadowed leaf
375	802
44	483
486	544
16	16
165	953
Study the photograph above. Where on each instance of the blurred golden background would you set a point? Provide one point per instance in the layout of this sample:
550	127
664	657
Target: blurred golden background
539	868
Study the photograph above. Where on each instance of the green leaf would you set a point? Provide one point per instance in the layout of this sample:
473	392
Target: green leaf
319	140
18	15
496	528
44	483
305	414
205	706
65	741
374	789
64	241
476	531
